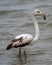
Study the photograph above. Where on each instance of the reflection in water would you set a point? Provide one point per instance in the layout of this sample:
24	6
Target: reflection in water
20	58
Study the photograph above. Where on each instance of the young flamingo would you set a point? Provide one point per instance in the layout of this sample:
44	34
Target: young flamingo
23	40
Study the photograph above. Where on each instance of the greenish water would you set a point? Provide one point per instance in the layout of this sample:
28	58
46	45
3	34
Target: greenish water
16	18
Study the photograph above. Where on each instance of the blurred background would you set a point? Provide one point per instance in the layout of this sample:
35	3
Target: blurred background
16	18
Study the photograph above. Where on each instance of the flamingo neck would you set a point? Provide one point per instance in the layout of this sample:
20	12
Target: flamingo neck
36	30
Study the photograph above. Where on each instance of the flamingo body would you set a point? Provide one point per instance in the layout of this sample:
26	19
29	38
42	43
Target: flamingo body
25	37
20	41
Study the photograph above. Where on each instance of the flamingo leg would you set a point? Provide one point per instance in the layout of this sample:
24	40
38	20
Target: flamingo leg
25	54
19	51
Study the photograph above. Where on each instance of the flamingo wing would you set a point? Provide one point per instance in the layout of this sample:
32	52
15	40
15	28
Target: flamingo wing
20	41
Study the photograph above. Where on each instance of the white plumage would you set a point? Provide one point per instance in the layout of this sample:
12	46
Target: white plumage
25	39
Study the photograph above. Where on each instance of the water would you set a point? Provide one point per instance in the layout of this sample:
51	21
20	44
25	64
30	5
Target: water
16	18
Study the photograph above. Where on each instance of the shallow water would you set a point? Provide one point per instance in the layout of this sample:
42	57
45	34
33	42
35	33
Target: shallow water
16	18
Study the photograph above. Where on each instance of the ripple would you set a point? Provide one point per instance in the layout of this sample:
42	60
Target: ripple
16	7
26	24
48	38
49	25
38	52
5	33
44	6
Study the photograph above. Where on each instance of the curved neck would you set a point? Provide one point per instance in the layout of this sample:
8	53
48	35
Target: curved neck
36	30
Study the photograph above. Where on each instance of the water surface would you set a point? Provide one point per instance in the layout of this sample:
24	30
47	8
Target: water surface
16	18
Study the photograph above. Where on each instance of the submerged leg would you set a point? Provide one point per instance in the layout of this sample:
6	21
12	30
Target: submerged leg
24	52
19	51
25	55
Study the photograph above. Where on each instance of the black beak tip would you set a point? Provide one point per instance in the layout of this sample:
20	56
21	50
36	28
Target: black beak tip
44	17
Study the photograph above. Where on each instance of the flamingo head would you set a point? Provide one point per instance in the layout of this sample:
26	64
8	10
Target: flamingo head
38	12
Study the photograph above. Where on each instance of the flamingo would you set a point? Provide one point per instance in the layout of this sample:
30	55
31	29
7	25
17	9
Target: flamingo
23	40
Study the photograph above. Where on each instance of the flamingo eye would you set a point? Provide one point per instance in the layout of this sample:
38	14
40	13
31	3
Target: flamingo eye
38	11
